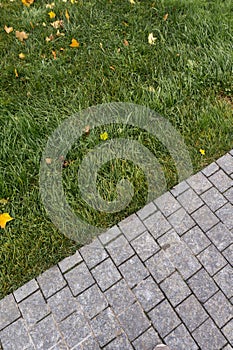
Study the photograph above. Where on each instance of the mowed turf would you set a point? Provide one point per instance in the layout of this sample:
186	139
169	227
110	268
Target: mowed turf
186	77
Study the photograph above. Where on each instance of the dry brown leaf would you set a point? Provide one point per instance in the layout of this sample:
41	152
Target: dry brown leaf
165	17
22	56
54	54
125	42
16	73
49	38
27	2
87	130
8	30
48	161
67	15
21	35
57	24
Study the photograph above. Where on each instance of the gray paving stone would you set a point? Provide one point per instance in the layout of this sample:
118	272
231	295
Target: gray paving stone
199	183
228	331
228	253
164	318
224	278
220	236
148	293
221	180
24	291
147	341
106	274
34	308
109	235
167	204
228	347
209	337
120	250
175	289
87	344
119	343
92	301
62	304
9	311
210	169
219	308
79	279
93	253
74	329
202	285
51	281
190	200
132	226
45	334
226	163
225	214
196	240
15	336
120	296
212	260
70	262
146	211
133	271
105	327
180	339
213	198
145	246
231	152
59	346
205	218
157	224
134	321
181	221
191	312
229	195
160	266
179	188
179	254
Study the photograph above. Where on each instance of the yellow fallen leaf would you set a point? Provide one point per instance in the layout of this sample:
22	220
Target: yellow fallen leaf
16	73
202	151
50	6
125	42
4	218
132	2
27	2
151	39
21	35
52	14
21	55
59	34
165	17
57	24
3	201
74	43
49	38
8	30
54	54
67	15
104	136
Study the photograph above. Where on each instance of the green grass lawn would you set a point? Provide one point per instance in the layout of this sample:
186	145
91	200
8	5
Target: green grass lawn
186	76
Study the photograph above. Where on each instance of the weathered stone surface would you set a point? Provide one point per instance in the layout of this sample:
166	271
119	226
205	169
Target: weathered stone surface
106	274
79	279
219	308
199	183
202	285
224	279
157	224
131	227
196	240
213	198
92	301
175	289
45	334
51	281
120	296
133	271
167	204
69	262
147	341
225	214
146	211
9	311
205	218
221	181
24	291
119	250
119	343
145	246
212	260
180	339
160	266
190	200
15	336
148	293
181	221
220	236
93	253
208	336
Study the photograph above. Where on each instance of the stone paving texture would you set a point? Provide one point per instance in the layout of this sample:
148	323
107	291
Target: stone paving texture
162	275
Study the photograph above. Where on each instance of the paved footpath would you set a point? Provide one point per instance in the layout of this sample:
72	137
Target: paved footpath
163	274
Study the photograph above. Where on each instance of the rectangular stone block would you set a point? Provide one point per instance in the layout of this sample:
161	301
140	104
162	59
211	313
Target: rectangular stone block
93	253
210	169
191	313
213	198
225	214
15	336
119	343
179	188
132	227
51	281
221	180
190	200
147	341
157	224
79	279
146	211
199	183
160	266
92	301
120	297
220	236
45	334
167	204
224	279
228	331
133	271
110	234
164	318
180	339
134	321
106	274
9	311
175	289
208	336
105	327
145	246
70	262
219	308
148	294
196	240
202	285
212	260
120	250
226	163
205	218
25	290
181	221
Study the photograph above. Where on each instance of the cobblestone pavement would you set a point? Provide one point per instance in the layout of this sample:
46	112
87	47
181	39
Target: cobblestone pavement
163	274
